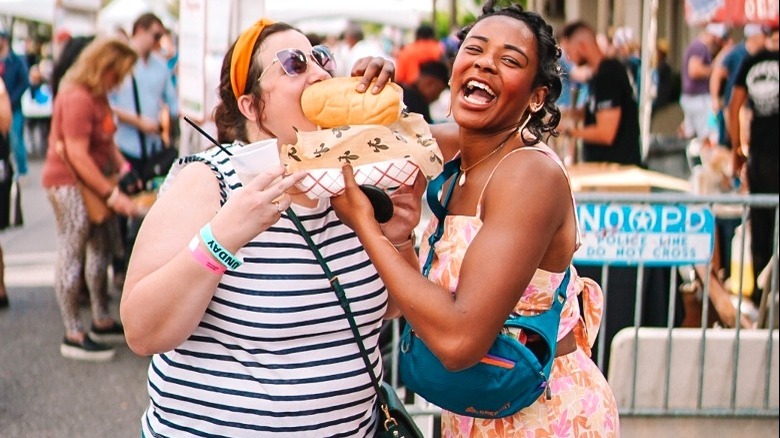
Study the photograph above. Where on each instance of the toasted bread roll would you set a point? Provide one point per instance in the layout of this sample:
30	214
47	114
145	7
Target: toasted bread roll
334	102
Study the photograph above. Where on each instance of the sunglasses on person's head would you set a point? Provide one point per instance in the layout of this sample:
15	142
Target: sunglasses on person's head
295	61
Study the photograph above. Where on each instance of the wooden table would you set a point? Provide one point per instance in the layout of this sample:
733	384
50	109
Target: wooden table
611	177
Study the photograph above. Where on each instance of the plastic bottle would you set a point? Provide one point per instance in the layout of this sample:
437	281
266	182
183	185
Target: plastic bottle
741	258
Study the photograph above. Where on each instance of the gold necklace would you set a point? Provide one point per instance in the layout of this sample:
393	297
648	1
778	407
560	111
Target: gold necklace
462	179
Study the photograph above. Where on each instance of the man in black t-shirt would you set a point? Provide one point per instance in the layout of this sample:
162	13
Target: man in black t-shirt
610	131
758	82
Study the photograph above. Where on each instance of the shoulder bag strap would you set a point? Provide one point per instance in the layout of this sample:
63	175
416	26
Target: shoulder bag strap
141	135
59	147
334	282
438	208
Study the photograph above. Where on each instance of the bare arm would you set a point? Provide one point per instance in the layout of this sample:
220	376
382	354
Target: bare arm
602	132
459	326
166	291
718	76
145	124
77	153
697	69
738	98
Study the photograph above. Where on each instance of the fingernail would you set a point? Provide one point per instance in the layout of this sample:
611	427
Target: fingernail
361	87
375	89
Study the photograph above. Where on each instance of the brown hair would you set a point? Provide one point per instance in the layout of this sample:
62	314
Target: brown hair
98	58
146	21
228	118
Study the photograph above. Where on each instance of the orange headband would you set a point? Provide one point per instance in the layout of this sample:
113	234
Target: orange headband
242	55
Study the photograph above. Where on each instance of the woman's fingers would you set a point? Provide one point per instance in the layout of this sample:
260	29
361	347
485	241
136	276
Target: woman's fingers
373	68
349	176
275	182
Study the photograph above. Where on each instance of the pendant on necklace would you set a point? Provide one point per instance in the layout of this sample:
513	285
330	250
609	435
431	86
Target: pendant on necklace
462	179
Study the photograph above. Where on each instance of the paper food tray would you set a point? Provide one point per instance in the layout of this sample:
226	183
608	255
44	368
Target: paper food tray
324	183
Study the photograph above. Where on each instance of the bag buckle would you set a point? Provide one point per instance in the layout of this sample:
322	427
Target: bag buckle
390	421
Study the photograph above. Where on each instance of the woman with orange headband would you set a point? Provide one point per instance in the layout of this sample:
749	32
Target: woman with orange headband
247	334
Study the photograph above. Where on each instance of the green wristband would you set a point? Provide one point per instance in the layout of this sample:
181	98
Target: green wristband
224	256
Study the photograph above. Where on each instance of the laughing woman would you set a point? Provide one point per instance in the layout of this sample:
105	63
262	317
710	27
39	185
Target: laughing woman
509	235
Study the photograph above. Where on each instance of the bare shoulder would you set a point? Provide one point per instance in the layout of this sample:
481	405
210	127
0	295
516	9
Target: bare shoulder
531	175
446	135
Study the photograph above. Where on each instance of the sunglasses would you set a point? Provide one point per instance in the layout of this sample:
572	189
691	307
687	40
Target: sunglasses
295	62
157	36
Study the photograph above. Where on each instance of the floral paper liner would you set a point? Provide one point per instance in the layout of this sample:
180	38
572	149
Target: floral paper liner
386	156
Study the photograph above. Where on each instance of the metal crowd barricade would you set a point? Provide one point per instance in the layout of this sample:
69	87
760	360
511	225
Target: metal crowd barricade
768	406
703	406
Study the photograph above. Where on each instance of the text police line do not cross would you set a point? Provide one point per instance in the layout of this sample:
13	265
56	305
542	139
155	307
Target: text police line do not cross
648	234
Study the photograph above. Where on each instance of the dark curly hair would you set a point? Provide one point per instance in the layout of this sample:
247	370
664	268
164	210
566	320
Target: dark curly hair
228	118
548	73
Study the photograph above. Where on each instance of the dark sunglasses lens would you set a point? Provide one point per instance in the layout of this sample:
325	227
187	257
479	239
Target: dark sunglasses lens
324	58
293	61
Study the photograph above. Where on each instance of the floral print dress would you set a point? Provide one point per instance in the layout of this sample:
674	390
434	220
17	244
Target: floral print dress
582	403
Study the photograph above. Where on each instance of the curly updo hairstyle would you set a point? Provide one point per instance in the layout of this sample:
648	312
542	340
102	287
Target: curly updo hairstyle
548	73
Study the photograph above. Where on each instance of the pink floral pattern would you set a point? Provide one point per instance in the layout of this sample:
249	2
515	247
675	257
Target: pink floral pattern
582	403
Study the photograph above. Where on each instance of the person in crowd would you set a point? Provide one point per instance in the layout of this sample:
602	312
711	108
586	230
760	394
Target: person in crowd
696	70
510	232
666	82
627	51
610	131
139	106
425	47
6	179
354	46
168	51
451	44
68	55
757	82
724	73
268	335
13	70
429	85
71	49
83	124
36	106
573	92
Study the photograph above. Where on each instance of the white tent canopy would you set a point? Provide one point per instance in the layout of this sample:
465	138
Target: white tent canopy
118	13
41	11
405	14
122	14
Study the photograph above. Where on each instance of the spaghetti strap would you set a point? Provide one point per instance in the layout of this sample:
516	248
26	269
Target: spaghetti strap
557	160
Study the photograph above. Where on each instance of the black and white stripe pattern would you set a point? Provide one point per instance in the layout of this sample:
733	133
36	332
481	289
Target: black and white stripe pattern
274	354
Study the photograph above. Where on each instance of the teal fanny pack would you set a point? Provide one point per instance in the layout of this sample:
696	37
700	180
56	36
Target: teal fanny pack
512	376
509	378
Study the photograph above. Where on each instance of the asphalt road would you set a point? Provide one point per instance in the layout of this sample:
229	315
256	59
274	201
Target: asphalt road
43	394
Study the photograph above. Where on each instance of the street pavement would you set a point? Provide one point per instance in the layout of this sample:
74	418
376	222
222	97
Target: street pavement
42	394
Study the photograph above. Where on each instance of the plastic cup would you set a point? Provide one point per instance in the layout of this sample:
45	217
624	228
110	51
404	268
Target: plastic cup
254	158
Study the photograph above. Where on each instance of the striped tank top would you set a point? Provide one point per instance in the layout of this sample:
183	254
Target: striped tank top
274	355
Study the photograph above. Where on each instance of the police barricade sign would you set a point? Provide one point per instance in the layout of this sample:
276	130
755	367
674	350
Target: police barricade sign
650	234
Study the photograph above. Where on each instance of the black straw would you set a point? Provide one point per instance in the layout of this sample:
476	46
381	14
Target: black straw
206	134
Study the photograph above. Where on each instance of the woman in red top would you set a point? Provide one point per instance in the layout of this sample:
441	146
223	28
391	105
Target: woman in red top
83	124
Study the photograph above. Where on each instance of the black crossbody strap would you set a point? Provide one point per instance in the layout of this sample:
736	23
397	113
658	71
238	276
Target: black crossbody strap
334	282
141	135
